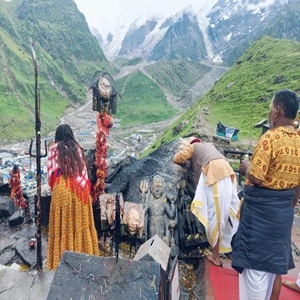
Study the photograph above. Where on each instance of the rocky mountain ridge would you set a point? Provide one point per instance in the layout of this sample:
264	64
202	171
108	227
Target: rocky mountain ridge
221	35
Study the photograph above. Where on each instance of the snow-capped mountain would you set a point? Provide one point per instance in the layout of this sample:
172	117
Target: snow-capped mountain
213	33
233	23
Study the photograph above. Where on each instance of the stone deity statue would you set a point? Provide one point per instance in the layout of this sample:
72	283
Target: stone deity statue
159	209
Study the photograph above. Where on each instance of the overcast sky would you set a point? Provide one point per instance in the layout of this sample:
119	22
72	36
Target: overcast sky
109	15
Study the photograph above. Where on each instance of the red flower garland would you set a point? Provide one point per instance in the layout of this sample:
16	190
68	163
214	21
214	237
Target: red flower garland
104	122
16	193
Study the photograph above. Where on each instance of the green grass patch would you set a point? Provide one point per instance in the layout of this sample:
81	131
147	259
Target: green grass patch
177	75
142	101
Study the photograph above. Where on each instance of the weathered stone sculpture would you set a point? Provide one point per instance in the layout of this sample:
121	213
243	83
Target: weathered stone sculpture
108	210
133	219
190	223
160	209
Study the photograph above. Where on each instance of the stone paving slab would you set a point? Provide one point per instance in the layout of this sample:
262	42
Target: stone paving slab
81	276
32	285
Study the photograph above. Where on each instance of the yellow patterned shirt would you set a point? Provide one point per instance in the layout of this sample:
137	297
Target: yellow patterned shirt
276	159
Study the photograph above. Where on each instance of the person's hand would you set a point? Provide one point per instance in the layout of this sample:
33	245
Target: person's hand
244	166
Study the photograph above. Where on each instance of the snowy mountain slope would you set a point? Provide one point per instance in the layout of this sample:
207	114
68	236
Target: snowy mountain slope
232	22
213	33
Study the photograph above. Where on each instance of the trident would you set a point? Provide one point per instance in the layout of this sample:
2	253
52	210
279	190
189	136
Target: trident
39	261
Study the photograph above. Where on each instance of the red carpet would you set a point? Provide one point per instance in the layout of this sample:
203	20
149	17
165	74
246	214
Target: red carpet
225	285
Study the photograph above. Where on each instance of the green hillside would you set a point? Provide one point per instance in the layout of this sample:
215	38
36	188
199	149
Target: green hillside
68	55
142	101
124	62
241	98
177	75
17	100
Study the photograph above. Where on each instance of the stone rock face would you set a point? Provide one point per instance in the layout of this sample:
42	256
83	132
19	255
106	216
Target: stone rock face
81	276
16	285
14	245
126	178
7	206
183	39
127	175
17	218
6	252
4	189
28	254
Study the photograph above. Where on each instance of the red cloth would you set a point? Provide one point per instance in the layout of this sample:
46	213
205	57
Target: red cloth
195	140
16	193
226	284
81	184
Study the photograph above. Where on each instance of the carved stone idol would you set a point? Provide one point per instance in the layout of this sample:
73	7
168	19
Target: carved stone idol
108	210
159	210
133	218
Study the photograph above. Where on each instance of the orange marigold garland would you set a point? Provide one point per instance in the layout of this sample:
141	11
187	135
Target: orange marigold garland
104	122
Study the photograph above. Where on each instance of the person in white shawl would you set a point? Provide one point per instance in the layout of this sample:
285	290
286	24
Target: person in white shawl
216	201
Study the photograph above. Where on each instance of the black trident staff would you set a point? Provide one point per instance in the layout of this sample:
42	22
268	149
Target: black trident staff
39	262
118	225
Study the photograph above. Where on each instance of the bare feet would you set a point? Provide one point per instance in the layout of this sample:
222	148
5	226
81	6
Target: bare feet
215	261
292	285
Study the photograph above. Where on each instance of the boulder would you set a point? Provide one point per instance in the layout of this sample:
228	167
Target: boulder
7	206
81	276
125	177
17	218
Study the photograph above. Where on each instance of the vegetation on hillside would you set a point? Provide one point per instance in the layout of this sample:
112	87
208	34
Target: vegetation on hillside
177	75
67	53
142	101
17	98
124	62
241	98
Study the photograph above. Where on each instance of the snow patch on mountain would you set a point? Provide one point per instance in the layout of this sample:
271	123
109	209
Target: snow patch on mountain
111	49
203	23
154	36
223	23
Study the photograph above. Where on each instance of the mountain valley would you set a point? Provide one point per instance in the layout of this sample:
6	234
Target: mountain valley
177	87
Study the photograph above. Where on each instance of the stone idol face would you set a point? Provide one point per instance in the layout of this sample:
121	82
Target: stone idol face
133	218
81	276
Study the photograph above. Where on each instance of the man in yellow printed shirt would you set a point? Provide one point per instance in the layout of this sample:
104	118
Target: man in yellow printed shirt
261	247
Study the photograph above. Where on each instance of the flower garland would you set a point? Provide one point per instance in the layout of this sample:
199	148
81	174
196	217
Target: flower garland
104	122
16	193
